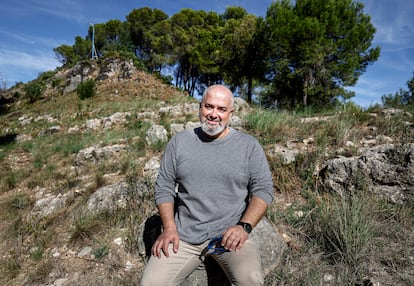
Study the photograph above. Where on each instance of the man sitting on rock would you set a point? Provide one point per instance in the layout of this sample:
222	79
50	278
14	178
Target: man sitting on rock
224	188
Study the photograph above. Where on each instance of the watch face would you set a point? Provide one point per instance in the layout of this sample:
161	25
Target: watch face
246	226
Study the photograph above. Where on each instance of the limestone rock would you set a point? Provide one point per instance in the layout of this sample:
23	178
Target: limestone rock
387	170
95	154
270	243
156	133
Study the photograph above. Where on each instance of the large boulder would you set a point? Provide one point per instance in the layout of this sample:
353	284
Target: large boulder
155	134
387	170
270	243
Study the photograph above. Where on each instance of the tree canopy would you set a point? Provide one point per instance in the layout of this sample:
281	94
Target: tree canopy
318	48
299	54
403	97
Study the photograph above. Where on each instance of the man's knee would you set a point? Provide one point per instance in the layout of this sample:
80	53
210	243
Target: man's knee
252	278
151	280
152	276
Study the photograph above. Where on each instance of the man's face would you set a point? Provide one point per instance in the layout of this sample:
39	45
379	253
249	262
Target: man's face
215	113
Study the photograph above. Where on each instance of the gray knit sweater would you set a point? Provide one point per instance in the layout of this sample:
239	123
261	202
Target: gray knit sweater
215	178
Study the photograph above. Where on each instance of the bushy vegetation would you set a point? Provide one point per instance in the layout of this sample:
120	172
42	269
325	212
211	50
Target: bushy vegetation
401	98
335	240
86	89
303	53
33	90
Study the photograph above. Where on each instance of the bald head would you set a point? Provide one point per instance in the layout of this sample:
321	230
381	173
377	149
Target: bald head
219	90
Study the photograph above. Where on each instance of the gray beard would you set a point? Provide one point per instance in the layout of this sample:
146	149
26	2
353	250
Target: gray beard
212	132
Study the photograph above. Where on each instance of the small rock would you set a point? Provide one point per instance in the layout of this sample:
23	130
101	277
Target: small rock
85	251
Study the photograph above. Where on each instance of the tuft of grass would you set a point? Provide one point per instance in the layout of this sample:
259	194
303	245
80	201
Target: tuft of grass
40	275
8	180
19	202
337	235
396	241
36	253
9	268
42	239
158	146
84	226
284	176
348	229
68	144
271	127
300	267
101	251
335	132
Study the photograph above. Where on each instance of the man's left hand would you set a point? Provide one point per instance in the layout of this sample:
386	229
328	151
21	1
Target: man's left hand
234	238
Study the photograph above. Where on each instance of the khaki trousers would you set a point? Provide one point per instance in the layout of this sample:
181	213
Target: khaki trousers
243	267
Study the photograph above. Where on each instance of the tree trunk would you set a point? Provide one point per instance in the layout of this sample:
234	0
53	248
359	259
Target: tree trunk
249	89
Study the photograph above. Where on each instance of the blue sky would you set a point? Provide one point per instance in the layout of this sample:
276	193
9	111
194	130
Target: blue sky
30	29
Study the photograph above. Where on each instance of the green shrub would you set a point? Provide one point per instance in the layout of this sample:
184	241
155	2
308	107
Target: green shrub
19	202
36	253
101	251
46	75
86	89
33	91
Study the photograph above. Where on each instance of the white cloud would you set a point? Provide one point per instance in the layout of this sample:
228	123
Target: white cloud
393	21
17	65
17	37
20	38
33	61
65	9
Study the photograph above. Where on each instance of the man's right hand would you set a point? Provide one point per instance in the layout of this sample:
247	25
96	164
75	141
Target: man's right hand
169	235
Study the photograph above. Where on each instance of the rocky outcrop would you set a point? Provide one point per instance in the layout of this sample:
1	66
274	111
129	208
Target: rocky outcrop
95	154
112	69
387	170
80	72
156	133
50	204
116	68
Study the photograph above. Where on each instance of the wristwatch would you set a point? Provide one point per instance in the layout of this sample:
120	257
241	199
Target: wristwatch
246	226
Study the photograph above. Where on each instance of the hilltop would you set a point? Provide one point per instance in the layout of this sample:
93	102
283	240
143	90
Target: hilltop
59	154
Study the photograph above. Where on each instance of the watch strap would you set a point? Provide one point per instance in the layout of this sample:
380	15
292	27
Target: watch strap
246	226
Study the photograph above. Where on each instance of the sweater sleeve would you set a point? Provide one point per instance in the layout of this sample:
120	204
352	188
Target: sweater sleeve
260	177
166	179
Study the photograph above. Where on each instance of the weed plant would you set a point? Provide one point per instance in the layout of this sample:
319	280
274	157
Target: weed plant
101	251
84	225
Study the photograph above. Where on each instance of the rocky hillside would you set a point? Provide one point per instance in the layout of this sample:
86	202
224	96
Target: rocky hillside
77	176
